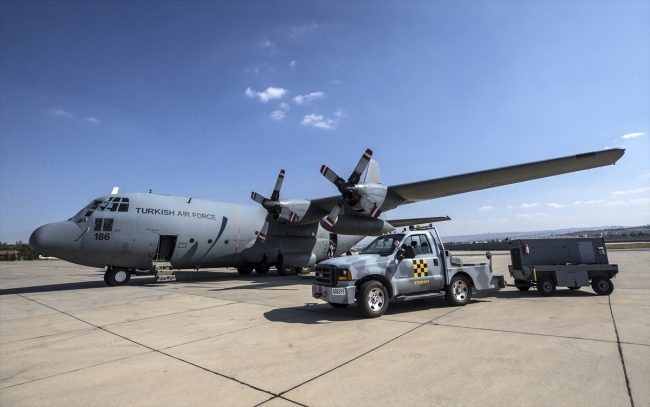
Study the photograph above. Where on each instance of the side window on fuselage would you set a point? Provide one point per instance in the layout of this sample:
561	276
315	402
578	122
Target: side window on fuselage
98	225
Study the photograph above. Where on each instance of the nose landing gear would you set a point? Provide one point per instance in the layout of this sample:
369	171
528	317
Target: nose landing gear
115	276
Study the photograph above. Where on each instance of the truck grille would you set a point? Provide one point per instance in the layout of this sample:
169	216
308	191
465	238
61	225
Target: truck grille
326	275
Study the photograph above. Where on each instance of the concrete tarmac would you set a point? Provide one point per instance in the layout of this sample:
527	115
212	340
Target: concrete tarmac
220	339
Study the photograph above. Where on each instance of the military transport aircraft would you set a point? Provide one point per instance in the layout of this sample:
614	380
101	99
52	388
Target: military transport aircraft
133	232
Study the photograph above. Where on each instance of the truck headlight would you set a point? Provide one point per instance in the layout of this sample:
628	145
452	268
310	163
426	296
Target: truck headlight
345	275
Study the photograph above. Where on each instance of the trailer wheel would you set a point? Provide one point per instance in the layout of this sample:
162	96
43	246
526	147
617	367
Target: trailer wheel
522	285
545	287
337	305
372	299
458	292
602	285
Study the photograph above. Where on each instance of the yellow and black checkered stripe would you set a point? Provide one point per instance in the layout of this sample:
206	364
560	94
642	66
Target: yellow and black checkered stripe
420	268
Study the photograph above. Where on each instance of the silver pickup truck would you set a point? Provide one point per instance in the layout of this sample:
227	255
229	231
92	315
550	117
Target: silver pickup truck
401	266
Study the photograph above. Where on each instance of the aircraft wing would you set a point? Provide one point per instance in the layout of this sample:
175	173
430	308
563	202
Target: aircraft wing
474	181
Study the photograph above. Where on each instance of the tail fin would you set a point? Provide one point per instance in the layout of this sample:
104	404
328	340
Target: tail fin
373	175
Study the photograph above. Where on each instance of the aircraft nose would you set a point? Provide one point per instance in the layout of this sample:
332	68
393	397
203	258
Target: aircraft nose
57	239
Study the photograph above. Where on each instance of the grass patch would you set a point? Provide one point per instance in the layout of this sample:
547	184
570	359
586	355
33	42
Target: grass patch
641	245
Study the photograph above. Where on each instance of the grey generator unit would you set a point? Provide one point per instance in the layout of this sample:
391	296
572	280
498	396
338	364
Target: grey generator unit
568	262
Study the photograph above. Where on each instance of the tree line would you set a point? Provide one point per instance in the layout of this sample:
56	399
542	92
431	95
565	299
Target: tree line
25	252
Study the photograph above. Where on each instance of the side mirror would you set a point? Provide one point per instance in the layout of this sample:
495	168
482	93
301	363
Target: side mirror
488	255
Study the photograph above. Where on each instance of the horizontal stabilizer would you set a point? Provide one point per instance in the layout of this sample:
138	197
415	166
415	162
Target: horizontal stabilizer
417	221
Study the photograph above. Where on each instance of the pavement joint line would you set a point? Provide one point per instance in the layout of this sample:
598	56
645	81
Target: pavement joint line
46	336
620	352
283	398
155	351
523	333
165	315
364	353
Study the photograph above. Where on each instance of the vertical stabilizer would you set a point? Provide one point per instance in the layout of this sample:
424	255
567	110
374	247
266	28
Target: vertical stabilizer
373	175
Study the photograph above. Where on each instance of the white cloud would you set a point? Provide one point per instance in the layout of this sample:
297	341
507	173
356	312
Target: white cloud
92	120
302	30
266	43
335	82
485	208
534	216
284	106
640	201
340	113
615	203
59	113
318	121
632	135
593	201
268	94
278	115
554	205
305	99
528	205
292	64
577	202
631	191
511	207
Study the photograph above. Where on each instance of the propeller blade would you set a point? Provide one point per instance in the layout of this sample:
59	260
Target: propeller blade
288	214
261	237
370	207
257	197
278	184
329	174
361	167
334	215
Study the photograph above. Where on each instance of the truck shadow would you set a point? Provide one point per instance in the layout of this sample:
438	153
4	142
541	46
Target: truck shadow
532	293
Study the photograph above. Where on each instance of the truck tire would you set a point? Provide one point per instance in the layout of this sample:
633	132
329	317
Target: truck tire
545	287
372	299
522	285
602	285
337	305
245	270
458	292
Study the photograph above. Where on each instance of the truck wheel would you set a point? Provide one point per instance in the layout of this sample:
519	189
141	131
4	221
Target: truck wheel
458	292
372	299
545	287
337	305
286	271
602	285
262	269
522	285
245	270
117	276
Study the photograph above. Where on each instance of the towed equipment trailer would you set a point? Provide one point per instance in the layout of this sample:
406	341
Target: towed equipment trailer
569	262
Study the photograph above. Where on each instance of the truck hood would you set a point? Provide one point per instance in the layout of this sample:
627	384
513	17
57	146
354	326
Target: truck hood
347	262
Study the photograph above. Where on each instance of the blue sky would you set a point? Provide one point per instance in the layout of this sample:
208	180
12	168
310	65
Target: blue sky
212	99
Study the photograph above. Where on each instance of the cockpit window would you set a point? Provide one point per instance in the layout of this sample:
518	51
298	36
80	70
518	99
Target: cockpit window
98	225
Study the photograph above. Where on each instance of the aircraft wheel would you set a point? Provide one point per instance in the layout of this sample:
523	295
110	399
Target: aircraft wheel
262	269
117	276
545	287
245	270
286	271
303	270
458	292
337	305
602	285
372	299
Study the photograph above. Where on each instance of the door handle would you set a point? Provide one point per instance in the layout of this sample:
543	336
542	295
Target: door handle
435	262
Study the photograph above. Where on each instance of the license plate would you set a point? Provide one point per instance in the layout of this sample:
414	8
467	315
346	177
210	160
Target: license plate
338	291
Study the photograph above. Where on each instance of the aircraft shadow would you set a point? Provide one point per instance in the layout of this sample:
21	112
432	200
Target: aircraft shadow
183	277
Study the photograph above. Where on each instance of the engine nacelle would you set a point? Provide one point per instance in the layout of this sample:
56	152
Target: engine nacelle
359	225
298	259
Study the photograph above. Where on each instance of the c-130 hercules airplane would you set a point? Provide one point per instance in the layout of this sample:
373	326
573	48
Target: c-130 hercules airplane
129	233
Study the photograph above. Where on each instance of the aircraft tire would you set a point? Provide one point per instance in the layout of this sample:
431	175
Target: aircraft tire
303	270
117	276
286	271
245	270
602	285
545	287
262	269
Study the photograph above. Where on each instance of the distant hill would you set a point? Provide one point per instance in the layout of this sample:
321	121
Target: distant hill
641	233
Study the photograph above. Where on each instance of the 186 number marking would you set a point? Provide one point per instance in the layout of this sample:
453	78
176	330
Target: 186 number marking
102	236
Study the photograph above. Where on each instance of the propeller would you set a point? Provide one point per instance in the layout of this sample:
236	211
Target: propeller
350	191
273	207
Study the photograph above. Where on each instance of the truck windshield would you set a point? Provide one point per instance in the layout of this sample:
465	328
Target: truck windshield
384	245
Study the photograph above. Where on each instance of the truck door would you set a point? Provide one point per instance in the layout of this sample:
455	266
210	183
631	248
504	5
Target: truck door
424	272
